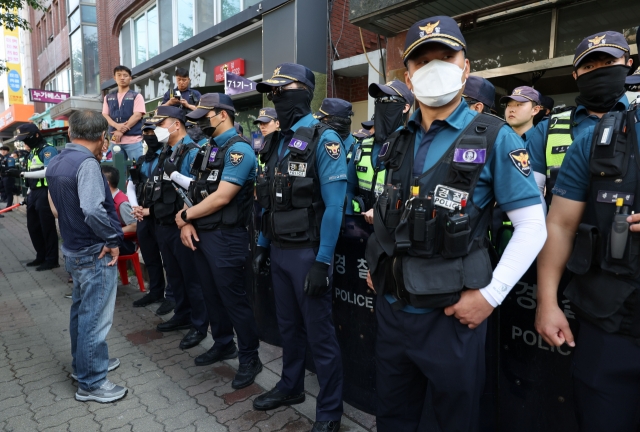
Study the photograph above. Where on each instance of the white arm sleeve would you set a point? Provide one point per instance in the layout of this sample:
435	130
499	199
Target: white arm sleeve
541	181
182	180
131	194
529	235
35	174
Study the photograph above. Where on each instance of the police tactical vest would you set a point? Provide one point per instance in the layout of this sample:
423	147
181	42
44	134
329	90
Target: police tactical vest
166	201
289	190
424	251
559	139
122	113
208	168
368	175
143	179
605	288
34	163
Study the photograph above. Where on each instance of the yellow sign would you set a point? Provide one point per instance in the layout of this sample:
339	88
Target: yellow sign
12	57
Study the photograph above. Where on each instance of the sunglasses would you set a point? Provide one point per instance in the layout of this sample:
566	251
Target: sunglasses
278	91
390	99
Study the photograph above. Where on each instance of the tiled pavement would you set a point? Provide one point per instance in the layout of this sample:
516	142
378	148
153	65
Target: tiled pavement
167	392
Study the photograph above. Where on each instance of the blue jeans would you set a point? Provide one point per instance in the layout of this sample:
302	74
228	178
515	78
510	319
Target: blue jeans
131	151
94	298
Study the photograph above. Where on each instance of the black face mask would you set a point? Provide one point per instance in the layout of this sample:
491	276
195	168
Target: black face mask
205	125
388	118
291	106
32	142
341	125
602	88
152	142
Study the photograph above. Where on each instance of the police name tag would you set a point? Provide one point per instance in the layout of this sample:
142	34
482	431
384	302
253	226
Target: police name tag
297	169
166	177
213	176
448	198
610	197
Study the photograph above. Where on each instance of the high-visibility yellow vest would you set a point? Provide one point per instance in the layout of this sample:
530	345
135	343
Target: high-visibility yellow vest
559	139
34	163
366	172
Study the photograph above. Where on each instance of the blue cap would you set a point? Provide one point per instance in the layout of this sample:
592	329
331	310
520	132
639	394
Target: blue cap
440	29
26	130
609	42
368	124
167	111
266	115
211	101
286	73
392	88
335	107
361	134
523	94
480	89
148	125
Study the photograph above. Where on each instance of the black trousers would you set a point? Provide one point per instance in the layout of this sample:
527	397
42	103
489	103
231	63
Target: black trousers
220	258
42	226
150	250
606	379
434	352
9	188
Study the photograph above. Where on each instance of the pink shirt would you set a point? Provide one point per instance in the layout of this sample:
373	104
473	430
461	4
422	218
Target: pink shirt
138	106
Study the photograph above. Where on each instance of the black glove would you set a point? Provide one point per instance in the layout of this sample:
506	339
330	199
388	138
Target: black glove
260	259
169	167
317	281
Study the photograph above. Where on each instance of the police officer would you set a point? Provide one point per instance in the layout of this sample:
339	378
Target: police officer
190	312
547	104
7	171
336	113
215	228
593	197
267	121
40	220
522	105
369	124
479	94
393	101
139	192
428	255
549	142
302	189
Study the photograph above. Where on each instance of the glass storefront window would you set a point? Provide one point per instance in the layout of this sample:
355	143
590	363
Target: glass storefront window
204	14
521	40
140	26
229	8
77	64
166	24
91	60
125	44
579	21
185	20
152	26
88	14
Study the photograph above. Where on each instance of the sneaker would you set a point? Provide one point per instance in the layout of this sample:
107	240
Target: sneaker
68	295
108	392
113	364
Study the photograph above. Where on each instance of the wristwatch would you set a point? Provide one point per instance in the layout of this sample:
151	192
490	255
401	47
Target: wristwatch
183	215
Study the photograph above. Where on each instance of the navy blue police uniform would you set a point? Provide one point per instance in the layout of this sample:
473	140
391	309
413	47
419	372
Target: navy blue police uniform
418	268
182	275
302	189
142	177
41	223
481	90
601	169
223	247
7	165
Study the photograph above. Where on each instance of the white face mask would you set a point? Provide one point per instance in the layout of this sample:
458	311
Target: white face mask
163	134
437	83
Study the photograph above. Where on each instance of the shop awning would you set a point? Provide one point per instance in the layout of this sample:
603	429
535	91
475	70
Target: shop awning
13	117
64	109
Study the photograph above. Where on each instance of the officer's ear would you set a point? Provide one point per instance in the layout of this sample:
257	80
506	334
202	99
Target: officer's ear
406	109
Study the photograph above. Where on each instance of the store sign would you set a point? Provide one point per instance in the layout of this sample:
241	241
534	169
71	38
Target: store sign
47	96
235	84
12	53
234	66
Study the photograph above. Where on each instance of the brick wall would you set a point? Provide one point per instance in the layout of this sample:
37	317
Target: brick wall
352	89
49	57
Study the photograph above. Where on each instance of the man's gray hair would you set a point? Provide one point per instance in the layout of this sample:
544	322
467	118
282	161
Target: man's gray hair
87	126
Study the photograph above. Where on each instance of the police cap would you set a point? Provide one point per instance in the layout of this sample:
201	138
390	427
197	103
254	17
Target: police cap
164	112
266	115
547	102
368	124
480	89
440	29
335	107
609	42
361	134
286	73
523	94
392	88
26	130
211	101
148	125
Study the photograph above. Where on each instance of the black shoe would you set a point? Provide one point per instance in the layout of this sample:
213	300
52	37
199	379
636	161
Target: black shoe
35	263
274	399
47	266
193	338
326	426
247	373
216	354
173	325
166	307
147	300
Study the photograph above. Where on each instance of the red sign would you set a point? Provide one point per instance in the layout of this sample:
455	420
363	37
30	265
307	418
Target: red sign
234	66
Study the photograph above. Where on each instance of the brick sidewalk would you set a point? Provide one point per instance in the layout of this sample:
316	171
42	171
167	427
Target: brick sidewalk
167	392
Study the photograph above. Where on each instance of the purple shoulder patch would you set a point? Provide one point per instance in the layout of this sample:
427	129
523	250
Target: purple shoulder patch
212	155
384	149
298	144
476	156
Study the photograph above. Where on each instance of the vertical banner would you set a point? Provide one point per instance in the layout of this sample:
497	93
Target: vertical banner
12	58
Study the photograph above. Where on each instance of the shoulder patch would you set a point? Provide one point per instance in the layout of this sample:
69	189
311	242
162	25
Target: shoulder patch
333	149
520	159
47	154
236	157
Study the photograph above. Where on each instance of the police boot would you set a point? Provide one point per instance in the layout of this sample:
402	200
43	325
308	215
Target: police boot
274	399
326	426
